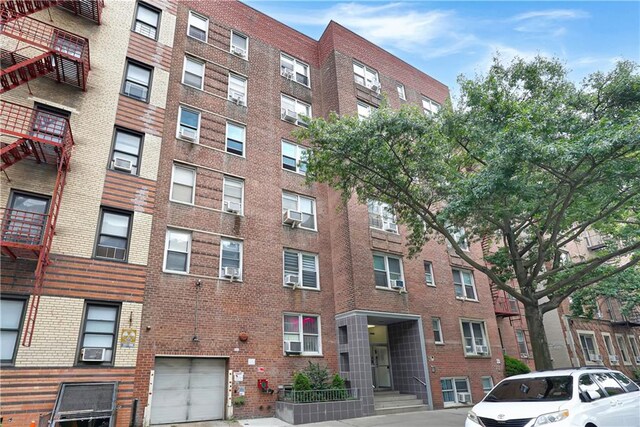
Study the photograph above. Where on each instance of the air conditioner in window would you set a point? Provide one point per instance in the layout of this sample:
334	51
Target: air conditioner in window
237	98
375	86
233	207
292	280
595	357
390	227
91	354
289	115
524	356
188	134
397	284
482	349
238	51
464	397
289	74
231	272
292	347
292	218
122	164
638	360
613	359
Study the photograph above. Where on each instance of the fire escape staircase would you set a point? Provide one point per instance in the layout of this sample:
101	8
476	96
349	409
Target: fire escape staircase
45	138
14	9
42	50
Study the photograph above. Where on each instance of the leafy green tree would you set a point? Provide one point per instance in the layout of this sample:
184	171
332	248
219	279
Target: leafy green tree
513	366
625	289
527	161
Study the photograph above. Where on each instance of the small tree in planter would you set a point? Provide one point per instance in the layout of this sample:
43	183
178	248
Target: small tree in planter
513	366
317	378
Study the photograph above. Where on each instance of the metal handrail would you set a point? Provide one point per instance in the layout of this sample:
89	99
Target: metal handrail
420	381
315	396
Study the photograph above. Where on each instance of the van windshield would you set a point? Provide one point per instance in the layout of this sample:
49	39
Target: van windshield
532	389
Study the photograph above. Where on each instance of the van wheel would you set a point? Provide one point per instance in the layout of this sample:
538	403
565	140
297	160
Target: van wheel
591	425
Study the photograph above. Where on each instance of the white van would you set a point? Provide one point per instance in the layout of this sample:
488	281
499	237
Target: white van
579	397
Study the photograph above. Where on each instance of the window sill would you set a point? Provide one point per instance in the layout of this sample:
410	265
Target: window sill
120	261
238	56
302	288
295	172
303	355
193	87
299	228
144	101
231	213
145	36
179	273
302	125
196	142
477	356
384	231
439	343
296	82
181	203
466	299
123	172
243	105
384	288
431	285
226	279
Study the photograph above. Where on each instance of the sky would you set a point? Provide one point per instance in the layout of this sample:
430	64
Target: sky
448	38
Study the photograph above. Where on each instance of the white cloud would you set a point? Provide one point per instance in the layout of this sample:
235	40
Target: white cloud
547	22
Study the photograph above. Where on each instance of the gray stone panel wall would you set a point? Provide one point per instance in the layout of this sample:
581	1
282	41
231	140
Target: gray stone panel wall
405	348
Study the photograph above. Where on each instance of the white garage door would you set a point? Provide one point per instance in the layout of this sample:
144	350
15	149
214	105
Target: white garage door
188	390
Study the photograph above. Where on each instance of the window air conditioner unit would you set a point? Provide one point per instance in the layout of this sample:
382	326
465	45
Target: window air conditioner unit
397	284
237	98
122	164
292	279
289	115
292	347
464	397
289	74
595	357
614	359
90	354
188	134
238	51
233	207
482	349
292	218
524	356
390	226
375	86
638	360
231	272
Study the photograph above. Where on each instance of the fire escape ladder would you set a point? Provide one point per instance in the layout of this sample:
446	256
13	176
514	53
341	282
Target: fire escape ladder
11	10
44	51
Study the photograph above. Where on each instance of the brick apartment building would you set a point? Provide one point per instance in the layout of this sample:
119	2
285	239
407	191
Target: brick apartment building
84	87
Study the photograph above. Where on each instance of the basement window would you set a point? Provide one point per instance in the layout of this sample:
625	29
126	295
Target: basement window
85	404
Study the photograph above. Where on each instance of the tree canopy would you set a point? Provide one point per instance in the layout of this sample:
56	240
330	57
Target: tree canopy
526	160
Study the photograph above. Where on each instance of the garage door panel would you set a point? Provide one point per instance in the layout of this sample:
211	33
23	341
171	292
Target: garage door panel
207	381
205	365
172	382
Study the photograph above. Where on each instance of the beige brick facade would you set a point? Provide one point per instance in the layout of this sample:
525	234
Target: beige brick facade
130	316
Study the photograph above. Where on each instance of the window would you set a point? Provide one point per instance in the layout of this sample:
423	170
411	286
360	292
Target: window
589	347
100	328
364	110
193	73
522	343
437	330
230	258
294	157
236	135
50	123
126	152
146	22
188	124
633	345
387	268
459	236
305	329
177	251
11	317
366	76
464	285
198	26
239	45
294	111
428	274
26	218
305	205
401	93
183	183
455	391
429	106
381	216
232	195
625	382
487	384
294	70
623	349
113	239
610	350
586	383
302	265
608	383
137	81
475	341
238	89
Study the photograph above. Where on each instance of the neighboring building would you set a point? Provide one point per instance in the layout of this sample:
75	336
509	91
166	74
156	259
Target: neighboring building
81	121
253	273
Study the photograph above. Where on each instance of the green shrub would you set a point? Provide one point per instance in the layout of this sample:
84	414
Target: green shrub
301	382
513	366
337	382
636	373
318	376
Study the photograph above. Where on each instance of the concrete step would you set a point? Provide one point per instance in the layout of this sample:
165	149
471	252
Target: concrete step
393	397
398	403
386	393
401	409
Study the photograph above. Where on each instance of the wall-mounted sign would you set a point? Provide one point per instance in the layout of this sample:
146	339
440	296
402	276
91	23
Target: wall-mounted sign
251	362
261	369
128	338
238	376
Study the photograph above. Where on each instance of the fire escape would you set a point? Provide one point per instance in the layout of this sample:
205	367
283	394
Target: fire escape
40	138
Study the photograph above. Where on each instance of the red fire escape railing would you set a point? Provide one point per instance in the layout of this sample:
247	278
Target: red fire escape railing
45	138
49	51
15	9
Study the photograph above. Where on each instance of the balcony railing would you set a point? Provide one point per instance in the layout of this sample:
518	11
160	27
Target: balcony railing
505	306
313	396
22	229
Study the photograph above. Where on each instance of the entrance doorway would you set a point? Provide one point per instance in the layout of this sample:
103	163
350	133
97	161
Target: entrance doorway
380	357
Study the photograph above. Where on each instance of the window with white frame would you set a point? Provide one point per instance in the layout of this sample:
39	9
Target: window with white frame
387	270
475	338
381	216
293	110
429	106
459	236
146	21
239	45
177	251
183	184
366	76
487	384
236	136
198	26
455	391
428	274
10	327
301	266
401	93
188	124
232	195
294	157
305	205
238	89
522	343
230	259
589	347
610	349
304	328
623	349
464	285
193	73
437	330
294	69
633	345
364	110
